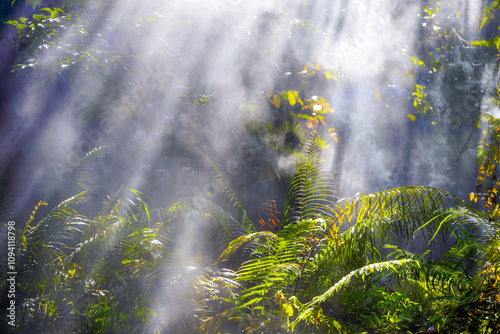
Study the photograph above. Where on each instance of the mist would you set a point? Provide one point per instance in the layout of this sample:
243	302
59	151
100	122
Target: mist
232	53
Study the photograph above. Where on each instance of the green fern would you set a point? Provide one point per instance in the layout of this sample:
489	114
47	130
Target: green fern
275	262
307	313
311	192
317	250
230	196
243	249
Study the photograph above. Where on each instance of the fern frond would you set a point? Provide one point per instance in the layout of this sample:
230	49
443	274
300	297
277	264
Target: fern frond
243	248
80	171
55	222
404	212
400	203
311	192
7	201
398	267
51	238
79	176
230	318
320	322
440	278
120	211
230	196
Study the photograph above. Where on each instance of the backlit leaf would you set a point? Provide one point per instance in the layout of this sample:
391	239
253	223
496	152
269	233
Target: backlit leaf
276	100
291	98
288	309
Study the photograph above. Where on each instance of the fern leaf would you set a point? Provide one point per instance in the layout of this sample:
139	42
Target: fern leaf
398	267
243	248
311	192
79	176
230	196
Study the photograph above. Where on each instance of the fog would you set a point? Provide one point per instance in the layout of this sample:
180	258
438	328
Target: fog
163	85
154	80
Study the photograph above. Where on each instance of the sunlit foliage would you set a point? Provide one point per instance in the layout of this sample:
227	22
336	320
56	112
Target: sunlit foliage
201	134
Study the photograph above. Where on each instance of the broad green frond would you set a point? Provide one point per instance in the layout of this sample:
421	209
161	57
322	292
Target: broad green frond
311	192
399	267
57	223
79	176
443	279
230	196
49	241
404	212
244	248
400	203
121	210
79	172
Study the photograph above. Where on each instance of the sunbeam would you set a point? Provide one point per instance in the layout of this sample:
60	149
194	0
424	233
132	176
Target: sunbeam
198	165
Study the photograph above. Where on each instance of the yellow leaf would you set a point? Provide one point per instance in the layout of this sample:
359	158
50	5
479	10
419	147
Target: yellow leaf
288	309
276	101
413	118
308	106
377	95
317	66
291	98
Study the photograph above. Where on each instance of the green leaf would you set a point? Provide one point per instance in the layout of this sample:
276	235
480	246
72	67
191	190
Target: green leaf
12	22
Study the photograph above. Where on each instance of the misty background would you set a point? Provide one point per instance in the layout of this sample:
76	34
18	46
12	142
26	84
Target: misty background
158	83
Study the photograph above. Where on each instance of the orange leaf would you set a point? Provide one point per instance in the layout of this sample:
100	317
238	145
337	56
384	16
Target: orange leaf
334	136
276	101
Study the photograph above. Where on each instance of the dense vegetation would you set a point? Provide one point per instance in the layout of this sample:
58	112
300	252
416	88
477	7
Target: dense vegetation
189	204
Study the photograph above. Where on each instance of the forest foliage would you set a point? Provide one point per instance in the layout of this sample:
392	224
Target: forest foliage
103	258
